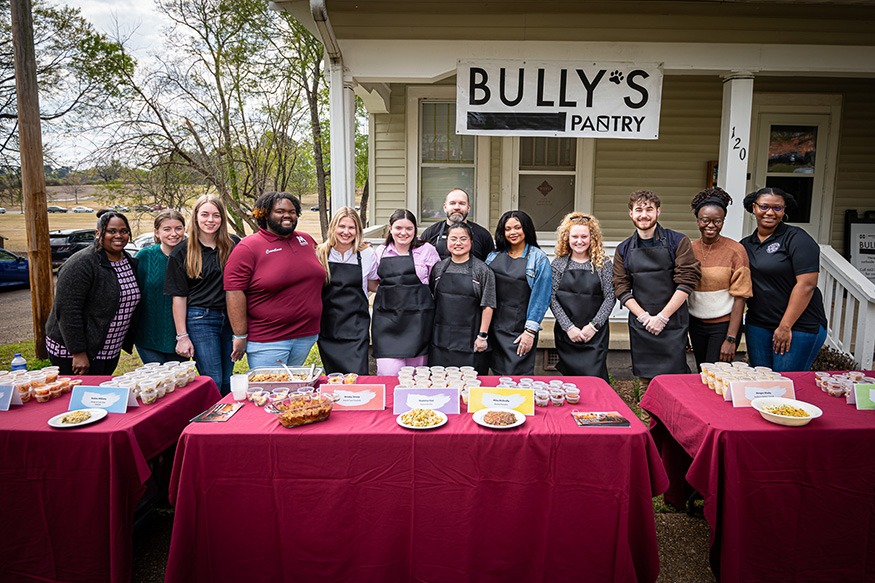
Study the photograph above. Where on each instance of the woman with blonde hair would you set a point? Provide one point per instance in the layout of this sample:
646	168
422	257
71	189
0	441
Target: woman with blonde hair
583	297
194	279
351	268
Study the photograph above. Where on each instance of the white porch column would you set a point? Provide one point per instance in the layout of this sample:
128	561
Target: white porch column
342	120
735	146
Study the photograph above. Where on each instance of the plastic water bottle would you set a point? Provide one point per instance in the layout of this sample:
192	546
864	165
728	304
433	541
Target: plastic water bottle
18	363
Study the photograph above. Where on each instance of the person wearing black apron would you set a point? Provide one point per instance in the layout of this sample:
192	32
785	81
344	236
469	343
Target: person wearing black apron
583	297
352	267
655	271
457	207
403	307
464	294
522	285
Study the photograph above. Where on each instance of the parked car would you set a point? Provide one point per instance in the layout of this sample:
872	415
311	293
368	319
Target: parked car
2	211
68	241
13	269
121	208
82	209
56	209
140	242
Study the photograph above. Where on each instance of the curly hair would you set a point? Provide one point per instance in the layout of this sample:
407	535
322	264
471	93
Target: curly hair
643	196
596	247
789	199
323	249
701	199
266	202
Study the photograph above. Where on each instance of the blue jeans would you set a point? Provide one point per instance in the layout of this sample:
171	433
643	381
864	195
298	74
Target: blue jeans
210	333
292	352
148	355
804	347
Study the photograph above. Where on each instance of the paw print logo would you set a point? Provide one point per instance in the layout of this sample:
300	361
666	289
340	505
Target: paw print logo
616	77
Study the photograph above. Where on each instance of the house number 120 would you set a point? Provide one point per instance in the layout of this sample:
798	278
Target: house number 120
736	145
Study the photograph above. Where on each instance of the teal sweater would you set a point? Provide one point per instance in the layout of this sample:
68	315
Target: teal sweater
155	329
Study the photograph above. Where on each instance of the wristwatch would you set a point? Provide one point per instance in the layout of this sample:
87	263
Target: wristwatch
483	335
595	325
731	339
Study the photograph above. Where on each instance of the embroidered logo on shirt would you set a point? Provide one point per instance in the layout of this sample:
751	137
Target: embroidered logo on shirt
302	241
269	251
773	247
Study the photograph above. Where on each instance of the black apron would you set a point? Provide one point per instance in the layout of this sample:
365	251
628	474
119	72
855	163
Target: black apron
441	243
457	322
651	271
512	294
343	336
580	295
403	310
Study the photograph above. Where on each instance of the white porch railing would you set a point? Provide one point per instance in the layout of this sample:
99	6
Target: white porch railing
849	301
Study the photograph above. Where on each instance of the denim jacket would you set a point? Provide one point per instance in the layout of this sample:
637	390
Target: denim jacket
540	279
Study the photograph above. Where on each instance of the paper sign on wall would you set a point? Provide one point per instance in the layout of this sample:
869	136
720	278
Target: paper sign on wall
443	400
356	397
9	396
113	399
743	392
522	400
865	394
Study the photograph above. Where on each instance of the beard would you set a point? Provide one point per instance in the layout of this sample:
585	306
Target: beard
278	228
457	217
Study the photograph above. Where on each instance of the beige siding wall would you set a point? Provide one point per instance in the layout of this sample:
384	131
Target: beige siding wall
674	166
390	182
855	170
495	209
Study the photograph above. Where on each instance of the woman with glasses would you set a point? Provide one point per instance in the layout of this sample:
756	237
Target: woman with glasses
717	304
583	297
786	323
95	300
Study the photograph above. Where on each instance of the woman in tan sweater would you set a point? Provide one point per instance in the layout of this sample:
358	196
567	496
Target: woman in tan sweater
717	303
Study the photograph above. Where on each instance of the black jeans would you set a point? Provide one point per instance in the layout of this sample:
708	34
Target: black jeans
97	368
707	339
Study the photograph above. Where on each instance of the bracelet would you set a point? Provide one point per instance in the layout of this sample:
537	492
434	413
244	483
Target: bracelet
531	333
181	336
240	336
731	339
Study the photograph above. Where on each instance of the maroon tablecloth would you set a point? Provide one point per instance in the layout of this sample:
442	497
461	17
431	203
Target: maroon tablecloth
358	498
784	503
67	496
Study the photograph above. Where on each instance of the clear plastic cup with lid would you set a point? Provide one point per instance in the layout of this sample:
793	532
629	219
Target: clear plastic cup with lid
542	398
148	396
180	375
557	401
37	379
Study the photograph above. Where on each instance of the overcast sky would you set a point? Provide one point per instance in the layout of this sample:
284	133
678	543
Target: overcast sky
136	18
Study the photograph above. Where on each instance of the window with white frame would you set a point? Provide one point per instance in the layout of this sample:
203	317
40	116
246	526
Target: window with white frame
446	160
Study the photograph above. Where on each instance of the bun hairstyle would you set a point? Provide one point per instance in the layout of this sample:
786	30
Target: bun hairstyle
397	216
789	199
501	243
711	197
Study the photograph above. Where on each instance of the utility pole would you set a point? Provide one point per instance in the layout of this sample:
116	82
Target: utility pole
33	179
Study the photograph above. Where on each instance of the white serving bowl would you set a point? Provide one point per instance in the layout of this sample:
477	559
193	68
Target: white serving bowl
761	403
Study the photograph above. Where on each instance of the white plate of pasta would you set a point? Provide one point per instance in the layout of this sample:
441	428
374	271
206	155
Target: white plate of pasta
789	412
421	419
78	418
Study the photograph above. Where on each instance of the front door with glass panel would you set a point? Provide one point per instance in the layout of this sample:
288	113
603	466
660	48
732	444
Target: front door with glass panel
446	160
791	155
546	179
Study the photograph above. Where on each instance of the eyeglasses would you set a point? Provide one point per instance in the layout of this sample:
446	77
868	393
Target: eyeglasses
705	221
766	208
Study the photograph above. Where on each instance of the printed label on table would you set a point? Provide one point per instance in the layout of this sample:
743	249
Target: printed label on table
113	399
443	400
516	398
9	396
865	394
356	397
743	392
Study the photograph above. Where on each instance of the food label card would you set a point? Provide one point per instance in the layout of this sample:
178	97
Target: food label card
356	397
113	399
9	396
743	392
865	394
518	399
443	400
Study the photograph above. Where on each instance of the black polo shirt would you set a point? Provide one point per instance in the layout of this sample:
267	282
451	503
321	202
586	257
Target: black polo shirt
481	246
774	265
208	291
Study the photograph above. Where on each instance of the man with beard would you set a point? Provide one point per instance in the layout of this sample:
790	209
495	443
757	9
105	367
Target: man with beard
457	206
273	286
655	271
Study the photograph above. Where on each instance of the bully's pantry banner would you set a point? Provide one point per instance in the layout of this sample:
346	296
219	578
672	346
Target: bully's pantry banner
559	99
